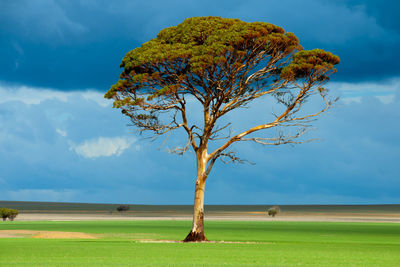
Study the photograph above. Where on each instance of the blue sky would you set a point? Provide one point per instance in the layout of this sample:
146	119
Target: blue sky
61	141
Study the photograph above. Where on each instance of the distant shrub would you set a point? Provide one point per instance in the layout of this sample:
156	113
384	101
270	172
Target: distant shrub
8	213
122	208
4	213
12	214
273	211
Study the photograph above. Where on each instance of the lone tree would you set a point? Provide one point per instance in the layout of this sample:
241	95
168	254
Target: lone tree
273	211
122	208
223	65
4	213
12	214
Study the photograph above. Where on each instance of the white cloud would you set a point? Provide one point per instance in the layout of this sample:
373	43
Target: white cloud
353	92
96	97
29	95
36	95
386	99
102	147
61	132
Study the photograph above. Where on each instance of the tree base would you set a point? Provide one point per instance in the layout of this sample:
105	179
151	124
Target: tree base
195	237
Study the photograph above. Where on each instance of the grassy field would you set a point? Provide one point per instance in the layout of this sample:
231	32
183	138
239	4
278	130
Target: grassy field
120	243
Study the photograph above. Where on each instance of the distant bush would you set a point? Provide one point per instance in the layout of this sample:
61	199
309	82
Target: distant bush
8	213
4	213
12	214
122	208
273	211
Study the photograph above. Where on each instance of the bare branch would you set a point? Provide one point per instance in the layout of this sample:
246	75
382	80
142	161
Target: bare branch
185	125
231	157
280	139
215	134
180	150
284	118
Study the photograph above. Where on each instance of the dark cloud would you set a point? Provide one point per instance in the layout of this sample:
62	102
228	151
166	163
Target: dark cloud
386	13
79	44
63	67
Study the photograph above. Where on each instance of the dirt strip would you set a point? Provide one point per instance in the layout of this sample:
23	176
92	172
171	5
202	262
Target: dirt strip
44	234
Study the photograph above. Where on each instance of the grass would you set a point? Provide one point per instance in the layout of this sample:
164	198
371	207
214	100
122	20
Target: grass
274	244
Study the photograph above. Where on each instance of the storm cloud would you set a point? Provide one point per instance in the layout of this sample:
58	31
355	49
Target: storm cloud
79	44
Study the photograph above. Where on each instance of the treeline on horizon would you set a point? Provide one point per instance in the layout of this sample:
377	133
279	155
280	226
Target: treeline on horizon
35	206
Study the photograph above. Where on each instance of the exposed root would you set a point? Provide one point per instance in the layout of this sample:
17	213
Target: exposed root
195	237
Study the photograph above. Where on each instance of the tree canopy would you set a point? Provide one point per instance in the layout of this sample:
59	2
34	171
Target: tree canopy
223	63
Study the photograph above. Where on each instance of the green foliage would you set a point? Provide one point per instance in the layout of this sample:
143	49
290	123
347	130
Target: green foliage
4	212
305	63
122	208
273	211
8	213
196	46
13	213
225	62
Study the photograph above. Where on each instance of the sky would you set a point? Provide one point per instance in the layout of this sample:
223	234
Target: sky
60	140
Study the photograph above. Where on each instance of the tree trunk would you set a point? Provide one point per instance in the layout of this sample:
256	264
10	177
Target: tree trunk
197	232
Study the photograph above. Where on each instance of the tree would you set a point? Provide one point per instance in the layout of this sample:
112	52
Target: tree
4	212
273	211
12	213
122	208
224	65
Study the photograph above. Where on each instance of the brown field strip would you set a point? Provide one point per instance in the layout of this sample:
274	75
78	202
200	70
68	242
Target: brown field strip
44	234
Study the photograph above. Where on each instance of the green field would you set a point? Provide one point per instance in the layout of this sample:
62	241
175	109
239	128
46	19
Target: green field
268	244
